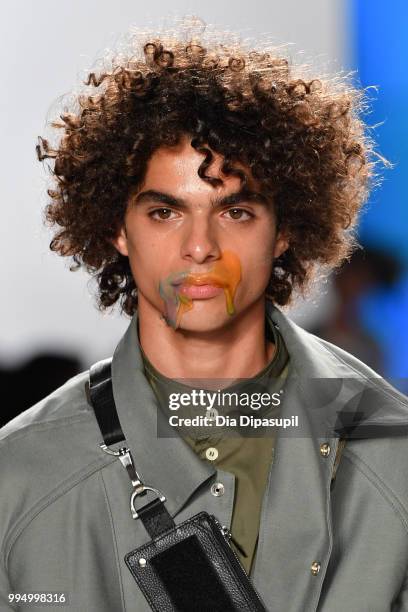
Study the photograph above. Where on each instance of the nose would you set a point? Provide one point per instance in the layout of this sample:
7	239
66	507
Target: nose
199	243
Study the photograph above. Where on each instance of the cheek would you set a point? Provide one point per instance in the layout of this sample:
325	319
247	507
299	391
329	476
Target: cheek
258	270
144	259
257	255
147	242
149	259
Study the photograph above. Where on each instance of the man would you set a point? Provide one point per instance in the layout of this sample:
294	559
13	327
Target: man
203	184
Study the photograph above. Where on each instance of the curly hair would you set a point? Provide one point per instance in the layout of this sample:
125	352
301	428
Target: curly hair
302	138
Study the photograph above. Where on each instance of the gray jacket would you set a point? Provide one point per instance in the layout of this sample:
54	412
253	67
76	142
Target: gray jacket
324	544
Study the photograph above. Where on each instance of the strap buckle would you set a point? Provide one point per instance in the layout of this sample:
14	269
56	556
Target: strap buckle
139	488
142	490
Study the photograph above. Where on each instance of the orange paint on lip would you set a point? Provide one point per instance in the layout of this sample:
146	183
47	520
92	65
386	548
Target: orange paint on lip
225	273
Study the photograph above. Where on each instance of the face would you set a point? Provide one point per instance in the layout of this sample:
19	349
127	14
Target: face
180	229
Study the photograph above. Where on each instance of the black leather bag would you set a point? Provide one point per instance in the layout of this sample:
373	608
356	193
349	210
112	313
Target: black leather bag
186	567
193	567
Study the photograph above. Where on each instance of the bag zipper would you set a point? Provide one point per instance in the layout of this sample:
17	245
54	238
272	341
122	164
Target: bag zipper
231	538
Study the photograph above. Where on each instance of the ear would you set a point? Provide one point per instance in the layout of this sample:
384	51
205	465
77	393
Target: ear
281	244
120	242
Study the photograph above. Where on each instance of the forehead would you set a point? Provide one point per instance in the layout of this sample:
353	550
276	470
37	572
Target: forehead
176	168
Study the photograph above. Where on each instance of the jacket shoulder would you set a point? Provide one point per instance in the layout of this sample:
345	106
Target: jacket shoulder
359	369
68	401
355	364
318	358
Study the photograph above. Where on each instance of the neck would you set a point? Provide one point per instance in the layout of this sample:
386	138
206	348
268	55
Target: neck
240	350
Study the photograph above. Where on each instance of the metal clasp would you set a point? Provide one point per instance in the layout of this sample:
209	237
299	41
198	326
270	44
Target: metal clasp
142	490
139	488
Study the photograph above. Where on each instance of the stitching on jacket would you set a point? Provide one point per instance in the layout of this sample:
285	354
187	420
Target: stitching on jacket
385	491
63	488
115	542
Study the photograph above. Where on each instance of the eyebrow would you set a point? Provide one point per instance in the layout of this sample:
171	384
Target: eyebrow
244	195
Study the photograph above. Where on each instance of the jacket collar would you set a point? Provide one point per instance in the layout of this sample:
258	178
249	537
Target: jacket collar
341	393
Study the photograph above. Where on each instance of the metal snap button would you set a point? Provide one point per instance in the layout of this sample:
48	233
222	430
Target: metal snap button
217	489
211	414
325	449
211	453
315	568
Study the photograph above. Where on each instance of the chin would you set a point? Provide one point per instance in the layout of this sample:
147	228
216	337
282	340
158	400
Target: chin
204	317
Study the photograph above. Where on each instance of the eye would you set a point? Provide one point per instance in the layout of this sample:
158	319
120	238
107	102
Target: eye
162	214
239	214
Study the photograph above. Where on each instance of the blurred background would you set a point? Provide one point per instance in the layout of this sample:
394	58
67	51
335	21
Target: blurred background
50	328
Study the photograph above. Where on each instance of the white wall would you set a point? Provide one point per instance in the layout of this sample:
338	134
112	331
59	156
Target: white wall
44	45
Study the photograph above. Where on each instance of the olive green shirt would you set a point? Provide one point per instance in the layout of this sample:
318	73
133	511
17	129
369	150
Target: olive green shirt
248	458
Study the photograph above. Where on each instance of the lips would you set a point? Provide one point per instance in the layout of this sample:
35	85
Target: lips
198	278
198	286
180	289
200	292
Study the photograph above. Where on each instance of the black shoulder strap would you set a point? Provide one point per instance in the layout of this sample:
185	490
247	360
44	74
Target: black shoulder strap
103	402
154	515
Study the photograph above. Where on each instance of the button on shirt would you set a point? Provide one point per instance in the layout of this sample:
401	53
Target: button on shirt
248	458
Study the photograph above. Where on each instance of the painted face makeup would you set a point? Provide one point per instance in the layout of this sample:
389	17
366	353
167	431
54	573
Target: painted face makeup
180	289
